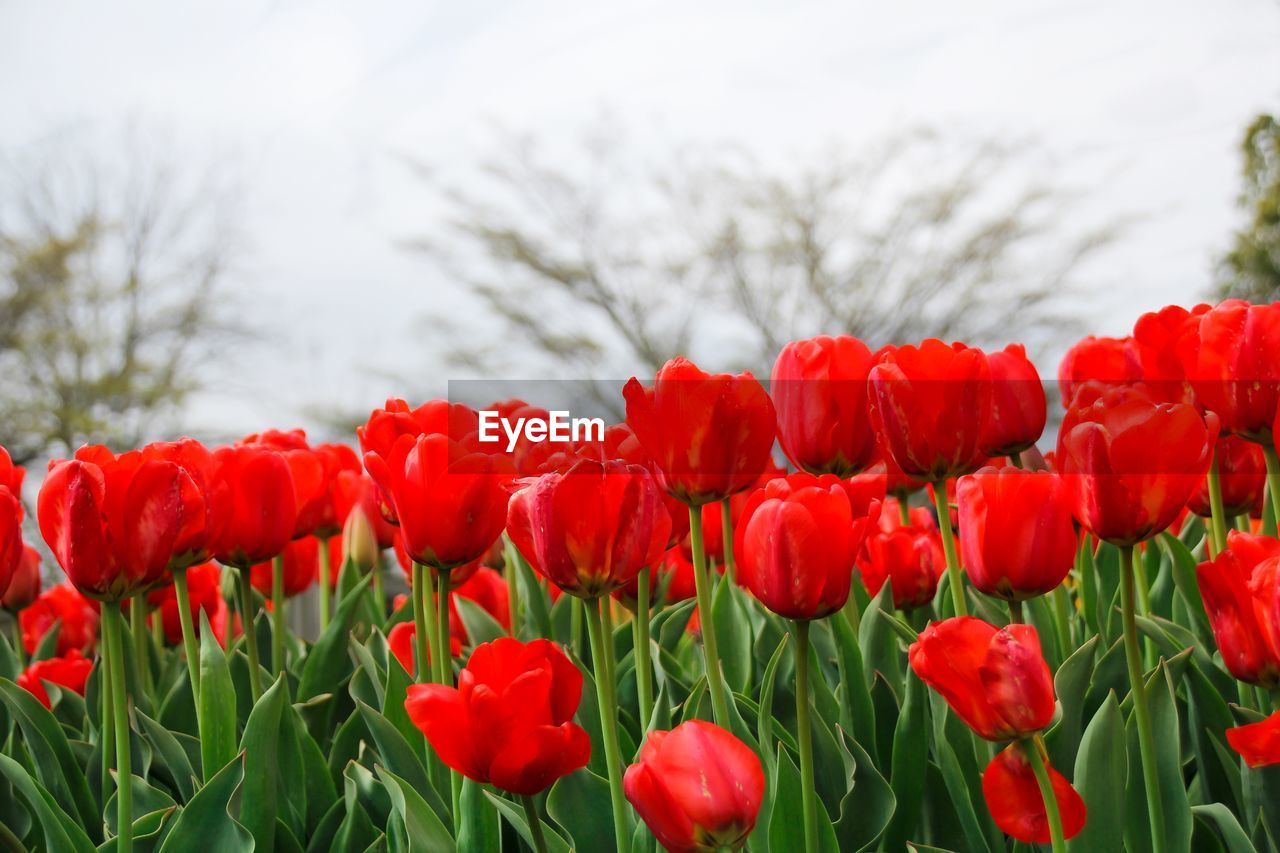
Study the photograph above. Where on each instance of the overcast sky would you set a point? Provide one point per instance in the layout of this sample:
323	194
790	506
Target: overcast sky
313	104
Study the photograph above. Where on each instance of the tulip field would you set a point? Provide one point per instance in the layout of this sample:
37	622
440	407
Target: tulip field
873	602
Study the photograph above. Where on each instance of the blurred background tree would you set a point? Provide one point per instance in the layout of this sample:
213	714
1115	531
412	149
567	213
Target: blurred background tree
1251	270
600	259
110	268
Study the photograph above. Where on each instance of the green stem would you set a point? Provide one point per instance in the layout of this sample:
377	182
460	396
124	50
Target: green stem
1015	612
726	535
1031	749
608	722
189	642
1218	516
444	675
112	623
640	639
19	649
138	629
379	593
1142	712
324	584
1143	605
422	632
804	738
904	512
852	614
1241	522
575	626
949	548
535	824
606	621
1015	459
702	582
106	730
277	615
1273	490
250	633
9	841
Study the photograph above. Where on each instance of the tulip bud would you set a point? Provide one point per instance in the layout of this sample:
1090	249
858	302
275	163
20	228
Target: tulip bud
24	586
1242	600
359	546
1009	786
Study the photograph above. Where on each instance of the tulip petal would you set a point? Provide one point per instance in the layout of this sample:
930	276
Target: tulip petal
1013	796
1258	743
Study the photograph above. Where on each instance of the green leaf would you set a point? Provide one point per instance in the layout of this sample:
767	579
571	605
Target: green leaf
765	737
328	663
56	766
48	646
399	758
171	754
580	804
206	823
786	827
60	830
1220	817
394	693
878	641
1070	683
426	833
957	774
1100	771
858	715
261	745
868	807
481	627
10	668
909	760
481	828
217	704
1184	579
146	799
514	815
733	634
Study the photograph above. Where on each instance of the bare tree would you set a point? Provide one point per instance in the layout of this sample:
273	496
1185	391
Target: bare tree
596	261
109	275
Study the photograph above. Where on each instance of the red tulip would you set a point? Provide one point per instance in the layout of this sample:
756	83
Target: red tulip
337	460
1131	464
819	387
450	501
1018	410
79	620
1163	341
1016	534
24	585
797	541
357	489
300	562
931	405
10	537
204	586
118	524
697	787
592	528
1242	473
1241	592
263	517
994	679
1235	369
11	475
1102	362
196	461
909	558
69	673
1009	786
709	435
312	502
509	722
435	417
1258	743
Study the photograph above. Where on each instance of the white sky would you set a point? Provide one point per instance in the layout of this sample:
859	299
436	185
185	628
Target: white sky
1142	103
